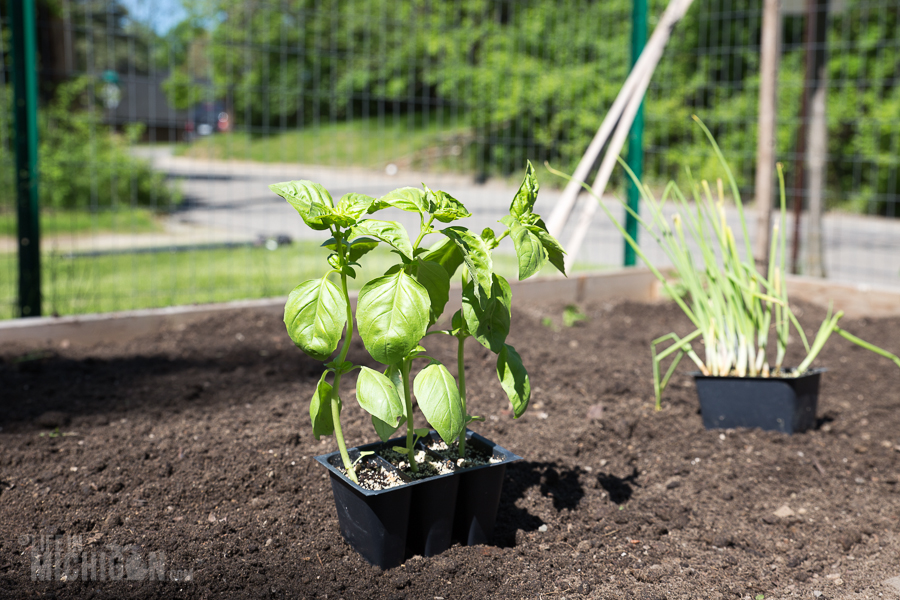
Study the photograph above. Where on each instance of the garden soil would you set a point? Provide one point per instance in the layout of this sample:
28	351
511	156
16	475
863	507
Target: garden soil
180	465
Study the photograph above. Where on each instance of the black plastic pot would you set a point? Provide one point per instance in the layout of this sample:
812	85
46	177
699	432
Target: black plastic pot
431	515
419	517
786	404
478	496
385	526
374	522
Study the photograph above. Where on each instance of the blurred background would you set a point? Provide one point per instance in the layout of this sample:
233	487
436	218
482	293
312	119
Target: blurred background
160	124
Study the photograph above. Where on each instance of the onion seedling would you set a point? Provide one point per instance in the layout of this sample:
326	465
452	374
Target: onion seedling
733	306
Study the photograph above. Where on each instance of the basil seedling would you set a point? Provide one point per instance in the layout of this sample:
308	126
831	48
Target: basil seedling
395	311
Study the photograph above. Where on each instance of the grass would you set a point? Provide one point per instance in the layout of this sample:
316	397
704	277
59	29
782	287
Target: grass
90	284
441	145
62	222
407	141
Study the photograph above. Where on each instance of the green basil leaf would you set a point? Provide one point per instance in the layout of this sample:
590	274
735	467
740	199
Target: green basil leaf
354	205
334	260
438	398
320	408
488	319
447	254
315	315
392	313
476	255
514	379
393	373
523	202
378	396
435	280
408	198
311	200
489	237
552	247
458	324
390	232
386	430
448	208
529	249
361	247
357	248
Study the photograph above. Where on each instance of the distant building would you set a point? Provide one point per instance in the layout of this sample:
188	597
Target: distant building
142	100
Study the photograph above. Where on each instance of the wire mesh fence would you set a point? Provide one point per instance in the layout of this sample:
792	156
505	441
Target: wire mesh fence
161	124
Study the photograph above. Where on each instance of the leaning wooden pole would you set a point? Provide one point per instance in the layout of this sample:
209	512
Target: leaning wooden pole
631	100
647	62
769	50
817	147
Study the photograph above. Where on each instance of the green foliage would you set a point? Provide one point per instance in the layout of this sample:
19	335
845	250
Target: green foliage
572	315
393	315
534	78
394	311
82	165
438	398
514	379
320	408
488	318
315	315
734	304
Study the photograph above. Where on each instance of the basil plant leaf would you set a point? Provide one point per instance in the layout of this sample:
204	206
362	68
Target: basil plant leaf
361	247
448	208
320	408
529	249
311	200
392	313
390	232
445	253
377	395
315	315
554	250
386	430
458	324
476	255
435	280
514	379
408	198
523	202
355	249
488	319
354	205
438	398
393	373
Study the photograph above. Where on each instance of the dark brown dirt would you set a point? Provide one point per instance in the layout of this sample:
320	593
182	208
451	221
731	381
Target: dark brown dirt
195	445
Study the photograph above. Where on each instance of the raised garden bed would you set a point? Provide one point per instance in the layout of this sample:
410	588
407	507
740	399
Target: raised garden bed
195	443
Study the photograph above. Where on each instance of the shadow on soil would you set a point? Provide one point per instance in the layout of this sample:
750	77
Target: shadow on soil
562	484
559	483
618	488
42	390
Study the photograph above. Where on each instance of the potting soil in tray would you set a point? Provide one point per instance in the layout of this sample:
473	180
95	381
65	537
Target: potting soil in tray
428	466
475	455
373	476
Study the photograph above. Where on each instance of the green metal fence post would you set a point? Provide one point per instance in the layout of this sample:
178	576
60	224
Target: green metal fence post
635	156
24	63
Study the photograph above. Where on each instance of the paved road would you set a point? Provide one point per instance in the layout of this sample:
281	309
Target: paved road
230	200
